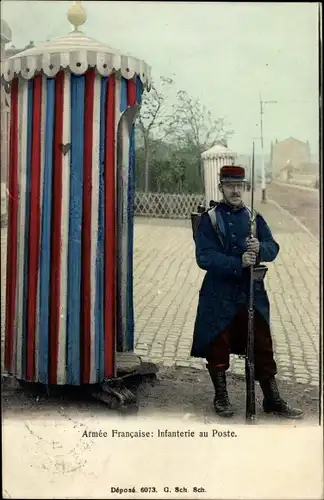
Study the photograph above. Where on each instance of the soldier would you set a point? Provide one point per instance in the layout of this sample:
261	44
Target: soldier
226	251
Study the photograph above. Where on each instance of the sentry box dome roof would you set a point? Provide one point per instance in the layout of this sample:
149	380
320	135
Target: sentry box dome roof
76	52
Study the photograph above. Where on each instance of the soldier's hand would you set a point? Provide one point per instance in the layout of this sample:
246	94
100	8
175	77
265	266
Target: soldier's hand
248	259
252	245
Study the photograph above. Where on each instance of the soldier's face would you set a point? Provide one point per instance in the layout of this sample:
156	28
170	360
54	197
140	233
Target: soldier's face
233	192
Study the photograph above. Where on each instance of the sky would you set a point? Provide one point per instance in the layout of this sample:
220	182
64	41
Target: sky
224	53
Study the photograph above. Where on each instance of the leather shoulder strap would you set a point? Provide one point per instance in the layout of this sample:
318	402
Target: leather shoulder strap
215	223
213	217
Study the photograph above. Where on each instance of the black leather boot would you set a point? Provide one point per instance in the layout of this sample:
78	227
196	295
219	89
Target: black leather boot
222	404
273	403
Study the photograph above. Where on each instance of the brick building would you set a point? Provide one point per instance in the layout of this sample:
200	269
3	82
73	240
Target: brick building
290	154
6	37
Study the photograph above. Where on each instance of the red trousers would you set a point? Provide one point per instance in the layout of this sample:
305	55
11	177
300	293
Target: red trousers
233	340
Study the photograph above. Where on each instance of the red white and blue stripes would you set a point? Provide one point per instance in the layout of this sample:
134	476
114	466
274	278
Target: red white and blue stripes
45	250
130	96
12	230
62	230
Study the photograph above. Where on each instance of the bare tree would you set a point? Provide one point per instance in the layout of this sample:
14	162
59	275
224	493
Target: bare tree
153	120
193	126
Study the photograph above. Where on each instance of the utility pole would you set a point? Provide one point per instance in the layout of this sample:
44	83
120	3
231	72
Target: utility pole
263	178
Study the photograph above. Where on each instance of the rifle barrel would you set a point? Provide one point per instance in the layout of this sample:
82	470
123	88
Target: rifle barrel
252	180
249	361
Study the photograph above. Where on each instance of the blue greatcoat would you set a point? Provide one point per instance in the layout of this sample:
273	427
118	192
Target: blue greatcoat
225	287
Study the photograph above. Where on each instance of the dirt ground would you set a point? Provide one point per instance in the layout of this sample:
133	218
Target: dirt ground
175	392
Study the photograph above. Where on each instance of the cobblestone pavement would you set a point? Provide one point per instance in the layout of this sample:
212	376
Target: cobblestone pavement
167	281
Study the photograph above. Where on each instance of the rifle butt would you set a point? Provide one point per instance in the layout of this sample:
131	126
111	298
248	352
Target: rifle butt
250	412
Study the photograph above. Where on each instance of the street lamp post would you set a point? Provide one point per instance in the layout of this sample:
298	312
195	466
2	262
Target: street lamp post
263	179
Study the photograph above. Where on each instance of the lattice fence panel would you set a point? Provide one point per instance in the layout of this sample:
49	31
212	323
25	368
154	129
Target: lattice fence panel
168	206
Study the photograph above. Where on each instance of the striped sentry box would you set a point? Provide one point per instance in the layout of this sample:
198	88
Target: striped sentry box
213	160
61	298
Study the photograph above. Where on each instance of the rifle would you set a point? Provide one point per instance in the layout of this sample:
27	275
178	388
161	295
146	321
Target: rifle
249	358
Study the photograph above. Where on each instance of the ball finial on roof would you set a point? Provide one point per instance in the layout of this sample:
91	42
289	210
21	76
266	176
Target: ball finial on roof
77	15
